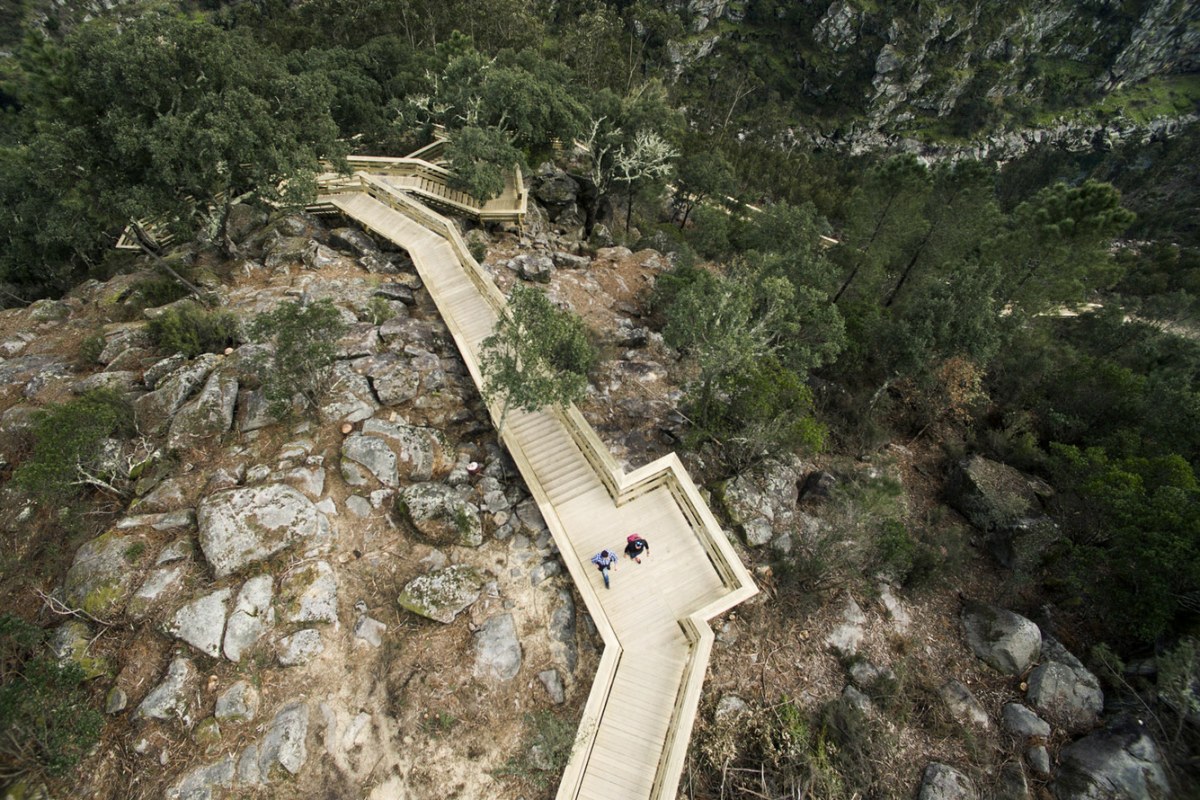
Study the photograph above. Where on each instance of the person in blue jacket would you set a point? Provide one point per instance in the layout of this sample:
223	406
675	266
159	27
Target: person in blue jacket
604	561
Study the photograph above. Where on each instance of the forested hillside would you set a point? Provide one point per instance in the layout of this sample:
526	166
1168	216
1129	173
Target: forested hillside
914	289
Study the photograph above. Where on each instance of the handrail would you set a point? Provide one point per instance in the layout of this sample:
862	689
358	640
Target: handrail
666	472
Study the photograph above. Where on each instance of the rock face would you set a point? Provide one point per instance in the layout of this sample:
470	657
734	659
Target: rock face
210	414
309	594
440	514
101	574
245	525
202	782
238	703
1063	689
1119	762
1004	640
201	623
442	594
998	499
284	743
963	704
943	782
763	501
252	615
169	700
1020	720
497	649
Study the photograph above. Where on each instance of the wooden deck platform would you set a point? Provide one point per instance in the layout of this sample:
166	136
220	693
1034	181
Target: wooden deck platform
636	725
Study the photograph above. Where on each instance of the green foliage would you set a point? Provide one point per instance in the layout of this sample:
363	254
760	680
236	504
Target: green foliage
191	329
69	444
49	723
303	338
538	356
91	348
837	753
545	748
1136	556
158	291
479	160
167	149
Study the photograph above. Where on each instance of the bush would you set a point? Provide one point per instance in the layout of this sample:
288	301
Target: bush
48	722
544	750
90	349
304	339
159	291
69	445
478	250
191	329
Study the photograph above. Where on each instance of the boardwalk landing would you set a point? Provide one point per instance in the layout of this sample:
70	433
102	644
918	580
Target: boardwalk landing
638	719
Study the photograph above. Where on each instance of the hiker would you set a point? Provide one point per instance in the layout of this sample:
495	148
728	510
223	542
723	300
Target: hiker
604	561
636	547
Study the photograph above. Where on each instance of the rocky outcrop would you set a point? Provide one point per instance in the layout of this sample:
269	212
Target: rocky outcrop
439	514
170	698
253	614
241	526
201	623
1006	641
497	649
763	501
1063	689
943	782
442	594
1118	762
101	575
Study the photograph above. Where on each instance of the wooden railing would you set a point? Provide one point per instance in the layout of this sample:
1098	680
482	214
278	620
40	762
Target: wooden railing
432	184
667	472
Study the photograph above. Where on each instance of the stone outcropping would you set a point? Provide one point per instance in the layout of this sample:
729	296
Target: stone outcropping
245	525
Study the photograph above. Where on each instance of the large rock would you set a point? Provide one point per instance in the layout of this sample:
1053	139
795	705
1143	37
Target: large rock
284	744
555	188
155	409
201	623
169	700
300	648
374	454
420	452
1004	640
252	615
497	649
238	703
202	782
241	526
439	514
1063	689
394	379
1020	721
1118	763
210	414
994	497
563	646
943	782
309	594
442	594
349	398
102	573
963	704
762	501
536	268
70	644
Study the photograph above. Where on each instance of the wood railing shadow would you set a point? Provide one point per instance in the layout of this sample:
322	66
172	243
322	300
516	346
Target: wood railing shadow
666	473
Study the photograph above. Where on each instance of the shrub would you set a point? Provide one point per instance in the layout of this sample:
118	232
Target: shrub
304	337
544	750
48	722
191	329
158	290
895	550
69	444
90	349
478	250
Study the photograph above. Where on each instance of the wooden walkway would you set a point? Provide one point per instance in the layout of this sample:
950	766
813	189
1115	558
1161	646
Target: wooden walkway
635	729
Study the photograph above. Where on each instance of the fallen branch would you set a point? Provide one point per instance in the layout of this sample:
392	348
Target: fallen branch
57	606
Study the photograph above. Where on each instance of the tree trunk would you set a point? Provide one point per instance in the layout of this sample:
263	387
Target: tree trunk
863	252
908	270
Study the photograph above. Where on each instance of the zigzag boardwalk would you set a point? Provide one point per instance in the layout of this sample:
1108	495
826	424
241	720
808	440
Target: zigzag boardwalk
633	737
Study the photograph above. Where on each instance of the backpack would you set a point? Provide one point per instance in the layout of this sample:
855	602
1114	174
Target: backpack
633	537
